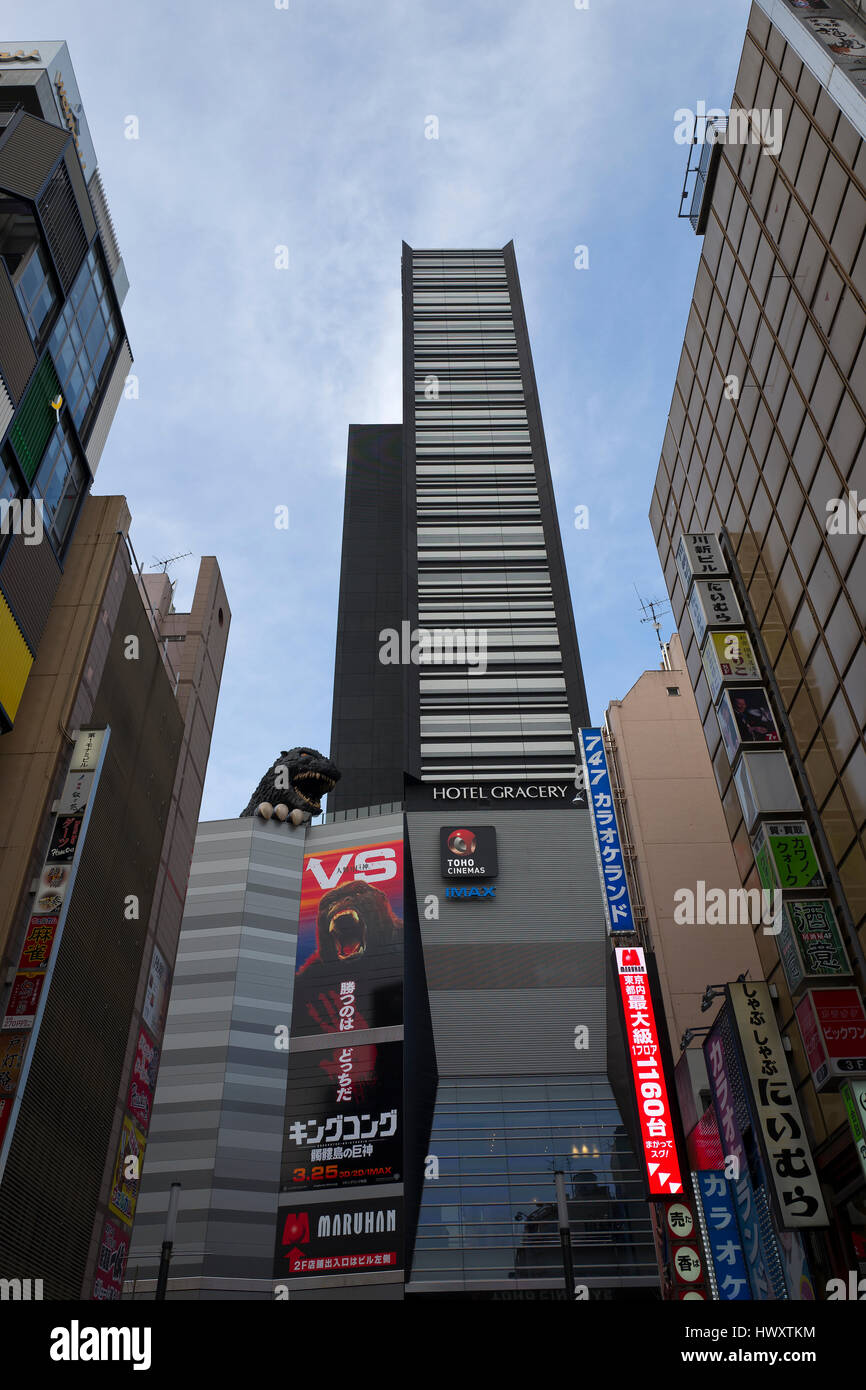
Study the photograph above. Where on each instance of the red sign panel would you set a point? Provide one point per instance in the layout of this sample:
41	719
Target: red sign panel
36	950
142	1084
659	1145
24	1000
833	1027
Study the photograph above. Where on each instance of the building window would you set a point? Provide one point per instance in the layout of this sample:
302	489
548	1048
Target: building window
84	337
60	482
673	690
35	292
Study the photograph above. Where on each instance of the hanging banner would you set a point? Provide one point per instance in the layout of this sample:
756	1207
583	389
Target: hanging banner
605	832
659	1143
789	1163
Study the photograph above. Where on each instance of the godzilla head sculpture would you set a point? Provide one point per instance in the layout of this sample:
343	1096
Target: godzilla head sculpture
293	787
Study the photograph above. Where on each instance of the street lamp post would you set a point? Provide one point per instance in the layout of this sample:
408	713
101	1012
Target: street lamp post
564	1233
168	1240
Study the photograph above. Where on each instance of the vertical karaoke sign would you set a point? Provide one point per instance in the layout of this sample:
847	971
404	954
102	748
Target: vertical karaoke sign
605	831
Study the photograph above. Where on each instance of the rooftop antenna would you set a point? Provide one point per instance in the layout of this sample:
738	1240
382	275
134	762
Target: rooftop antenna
170	560
650	615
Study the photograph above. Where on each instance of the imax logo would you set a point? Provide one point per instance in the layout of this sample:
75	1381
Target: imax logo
473	892
20	1288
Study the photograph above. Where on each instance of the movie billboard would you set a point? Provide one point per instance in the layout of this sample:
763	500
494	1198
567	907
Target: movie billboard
344	1109
349	966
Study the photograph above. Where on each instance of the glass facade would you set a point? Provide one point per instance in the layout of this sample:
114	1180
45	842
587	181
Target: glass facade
766	438
491	1214
84	337
60	483
36	293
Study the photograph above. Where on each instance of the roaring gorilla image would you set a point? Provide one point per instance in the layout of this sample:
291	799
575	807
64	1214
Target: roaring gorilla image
359	941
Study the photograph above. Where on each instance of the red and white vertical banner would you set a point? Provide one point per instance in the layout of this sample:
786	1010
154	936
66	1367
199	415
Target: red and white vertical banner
657	1131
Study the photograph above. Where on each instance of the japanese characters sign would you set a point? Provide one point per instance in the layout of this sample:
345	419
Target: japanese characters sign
713	604
726	1250
729	656
12	1048
64	839
833	1028
785	856
699	555
762	1259
611	864
335	1238
659	1142
344	1107
23	1000
809	943
142	1084
156	994
36	951
111	1262
781	1131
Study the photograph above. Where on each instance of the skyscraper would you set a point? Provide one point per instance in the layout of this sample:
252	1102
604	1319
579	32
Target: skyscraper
459	691
763	458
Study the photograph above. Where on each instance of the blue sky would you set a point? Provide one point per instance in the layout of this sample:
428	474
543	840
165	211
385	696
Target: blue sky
304	127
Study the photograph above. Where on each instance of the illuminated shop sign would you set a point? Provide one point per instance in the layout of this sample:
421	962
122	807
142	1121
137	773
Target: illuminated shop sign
336	1239
723	1237
518	792
810	946
729	656
468	852
785	856
833	1028
713	604
608	850
659	1144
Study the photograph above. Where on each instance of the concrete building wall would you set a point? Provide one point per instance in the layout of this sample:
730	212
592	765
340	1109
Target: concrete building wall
218	1113
679	836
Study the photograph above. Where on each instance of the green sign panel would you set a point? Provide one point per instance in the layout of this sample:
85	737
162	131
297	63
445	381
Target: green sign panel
809	943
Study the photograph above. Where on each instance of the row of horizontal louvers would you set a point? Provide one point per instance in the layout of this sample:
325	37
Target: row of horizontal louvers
39	163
